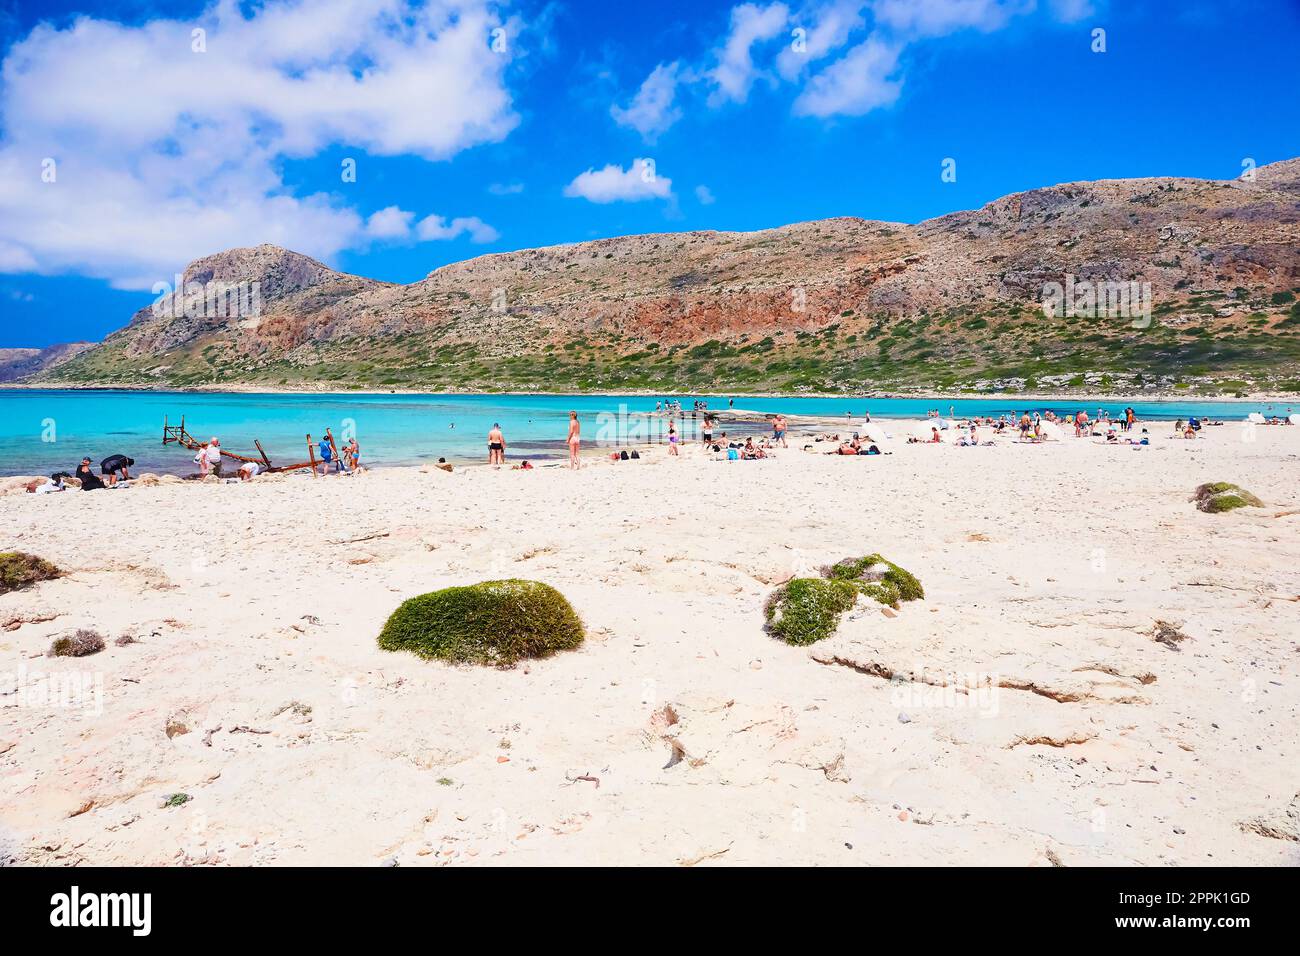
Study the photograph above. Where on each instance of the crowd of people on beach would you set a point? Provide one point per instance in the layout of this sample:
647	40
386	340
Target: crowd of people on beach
1030	427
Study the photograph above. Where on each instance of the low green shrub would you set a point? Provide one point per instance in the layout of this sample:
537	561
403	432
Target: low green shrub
805	610
878	578
80	644
1217	497
493	622
18	570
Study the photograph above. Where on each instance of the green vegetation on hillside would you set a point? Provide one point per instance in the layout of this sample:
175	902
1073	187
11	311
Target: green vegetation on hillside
999	346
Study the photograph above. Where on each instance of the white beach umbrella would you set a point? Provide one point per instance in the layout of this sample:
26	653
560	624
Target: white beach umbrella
922	430
1051	430
1255	417
876	433
1294	418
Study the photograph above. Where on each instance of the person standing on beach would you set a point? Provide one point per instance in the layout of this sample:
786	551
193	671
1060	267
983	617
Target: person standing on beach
778	430
574	441
214	457
496	445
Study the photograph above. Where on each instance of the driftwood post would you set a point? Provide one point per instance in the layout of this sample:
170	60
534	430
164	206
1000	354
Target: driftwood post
333	448
311	453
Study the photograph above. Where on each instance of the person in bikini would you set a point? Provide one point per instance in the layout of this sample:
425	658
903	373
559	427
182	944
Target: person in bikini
496	445
574	440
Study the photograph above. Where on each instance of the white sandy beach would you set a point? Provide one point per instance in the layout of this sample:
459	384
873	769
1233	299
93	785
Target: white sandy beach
299	741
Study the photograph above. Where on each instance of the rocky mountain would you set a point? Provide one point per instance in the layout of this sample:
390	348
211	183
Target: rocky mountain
18	364
844	304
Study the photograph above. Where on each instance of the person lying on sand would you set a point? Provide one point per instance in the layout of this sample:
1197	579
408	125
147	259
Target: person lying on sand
109	467
48	485
444	464
526	465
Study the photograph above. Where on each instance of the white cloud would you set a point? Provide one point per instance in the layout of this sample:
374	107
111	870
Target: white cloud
436	227
506	189
652	110
843	57
164	154
615	184
827	27
389	223
857	83
734	72
939	17
1071	11
705	195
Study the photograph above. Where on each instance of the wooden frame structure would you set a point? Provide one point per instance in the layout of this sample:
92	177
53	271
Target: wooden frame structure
176	434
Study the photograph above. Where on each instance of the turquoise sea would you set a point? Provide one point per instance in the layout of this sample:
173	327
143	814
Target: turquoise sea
42	431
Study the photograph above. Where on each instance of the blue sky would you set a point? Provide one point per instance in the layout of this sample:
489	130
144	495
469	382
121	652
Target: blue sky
477	127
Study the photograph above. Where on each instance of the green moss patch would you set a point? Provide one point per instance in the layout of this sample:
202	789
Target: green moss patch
1219	496
805	610
877	578
18	570
494	622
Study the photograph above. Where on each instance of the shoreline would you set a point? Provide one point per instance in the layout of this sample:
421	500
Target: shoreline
1164	396
803	429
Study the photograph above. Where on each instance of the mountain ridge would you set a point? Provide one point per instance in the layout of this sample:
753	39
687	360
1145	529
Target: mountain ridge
840	304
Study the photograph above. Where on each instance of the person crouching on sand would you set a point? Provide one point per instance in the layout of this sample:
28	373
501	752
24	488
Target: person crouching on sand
574	441
496	445
111	465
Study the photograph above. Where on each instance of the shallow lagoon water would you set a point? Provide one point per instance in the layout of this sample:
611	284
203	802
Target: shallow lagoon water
42	431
